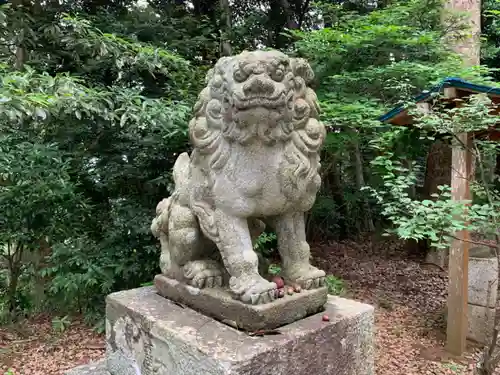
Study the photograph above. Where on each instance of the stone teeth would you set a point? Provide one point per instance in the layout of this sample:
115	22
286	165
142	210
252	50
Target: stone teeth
271	103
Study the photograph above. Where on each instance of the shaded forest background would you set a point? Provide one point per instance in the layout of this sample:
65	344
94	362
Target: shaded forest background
95	98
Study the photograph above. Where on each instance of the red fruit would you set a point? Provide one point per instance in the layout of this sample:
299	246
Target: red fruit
297	288
281	293
326	318
279	282
289	290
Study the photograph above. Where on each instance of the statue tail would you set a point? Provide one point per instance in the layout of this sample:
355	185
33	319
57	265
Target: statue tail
160	222
181	172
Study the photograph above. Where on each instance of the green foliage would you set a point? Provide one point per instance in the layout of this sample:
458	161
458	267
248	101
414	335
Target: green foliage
94	105
416	219
265	243
37	196
20	301
274	269
191	36
367	62
355	61
91	124
57	179
474	115
490	45
455	368
440	218
59	325
335	285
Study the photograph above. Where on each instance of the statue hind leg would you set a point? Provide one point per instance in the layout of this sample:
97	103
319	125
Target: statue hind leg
186	255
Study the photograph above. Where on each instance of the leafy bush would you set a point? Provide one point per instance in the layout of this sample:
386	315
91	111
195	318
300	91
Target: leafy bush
439	219
94	111
335	285
266	243
84	158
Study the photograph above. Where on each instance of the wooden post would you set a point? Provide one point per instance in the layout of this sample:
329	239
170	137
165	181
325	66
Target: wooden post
459	252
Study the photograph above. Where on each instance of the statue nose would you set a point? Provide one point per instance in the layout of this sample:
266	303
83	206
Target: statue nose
258	86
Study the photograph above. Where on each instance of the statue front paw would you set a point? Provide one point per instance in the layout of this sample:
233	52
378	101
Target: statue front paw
305	275
203	274
253	289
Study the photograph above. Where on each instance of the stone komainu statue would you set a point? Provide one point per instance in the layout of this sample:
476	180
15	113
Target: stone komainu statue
256	136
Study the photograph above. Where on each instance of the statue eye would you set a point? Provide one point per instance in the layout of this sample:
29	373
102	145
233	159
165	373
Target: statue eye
239	75
278	75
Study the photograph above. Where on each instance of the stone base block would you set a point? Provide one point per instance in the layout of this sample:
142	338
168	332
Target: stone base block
150	335
483	277
480	323
219	304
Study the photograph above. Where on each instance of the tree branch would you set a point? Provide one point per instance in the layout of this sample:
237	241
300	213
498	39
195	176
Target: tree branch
493	246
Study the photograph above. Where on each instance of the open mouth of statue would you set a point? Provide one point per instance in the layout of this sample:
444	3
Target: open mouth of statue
276	102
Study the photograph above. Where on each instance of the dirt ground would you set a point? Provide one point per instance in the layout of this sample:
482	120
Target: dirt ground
409	298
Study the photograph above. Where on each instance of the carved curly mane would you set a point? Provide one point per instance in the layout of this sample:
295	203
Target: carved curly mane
214	127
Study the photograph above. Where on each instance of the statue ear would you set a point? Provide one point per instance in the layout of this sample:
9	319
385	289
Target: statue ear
181	170
301	68
209	75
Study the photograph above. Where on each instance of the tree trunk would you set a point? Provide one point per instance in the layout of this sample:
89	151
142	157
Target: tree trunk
468	46
497	167
225	43
338	196
287	11
303	12
37	258
280	16
20	48
438	172
13	282
360	182
15	256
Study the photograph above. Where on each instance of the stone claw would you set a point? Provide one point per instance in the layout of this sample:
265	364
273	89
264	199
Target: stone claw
254	290
272	294
210	281
308	277
198	282
318	282
259	299
203	274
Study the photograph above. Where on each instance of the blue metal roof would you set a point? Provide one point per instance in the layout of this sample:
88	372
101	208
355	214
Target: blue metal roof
448	82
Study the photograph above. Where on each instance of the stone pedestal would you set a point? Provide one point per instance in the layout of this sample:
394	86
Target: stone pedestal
482	290
219	304
150	335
